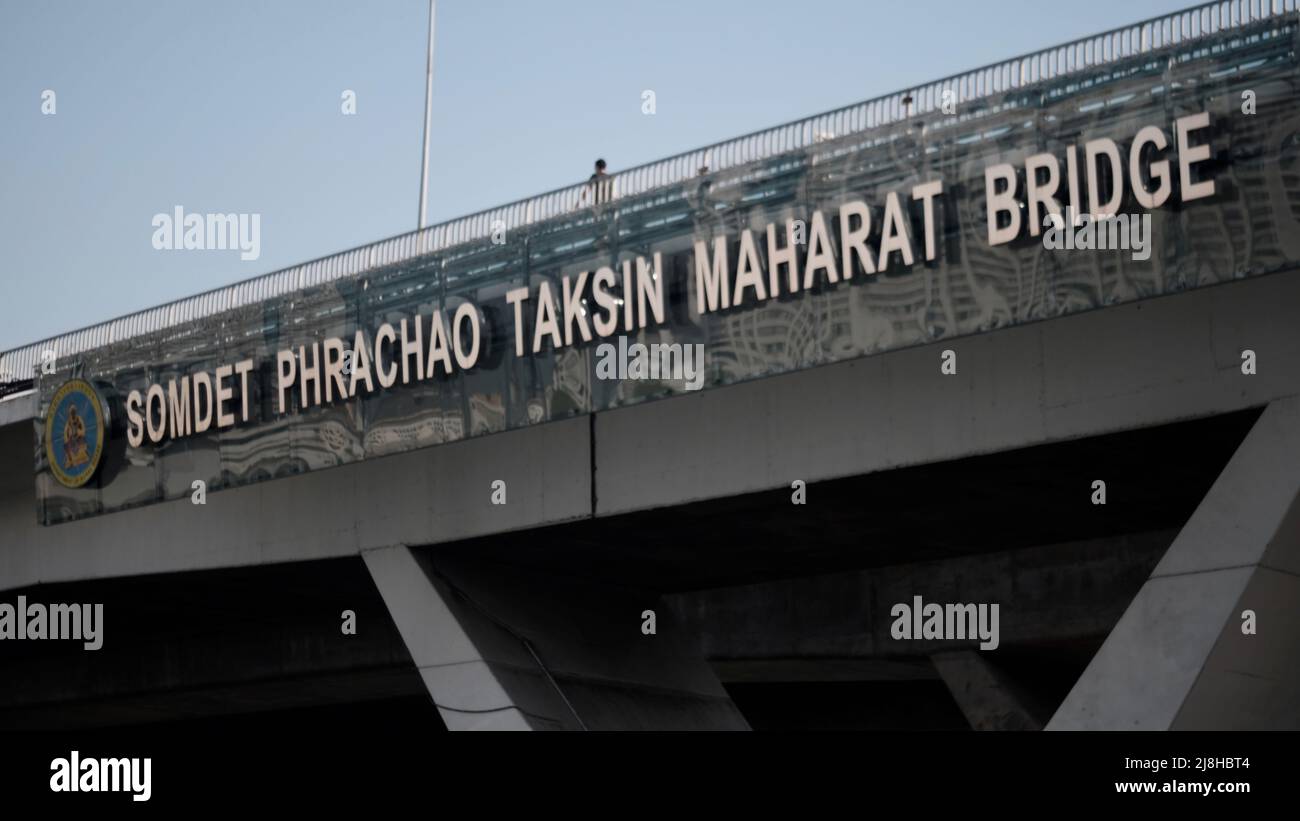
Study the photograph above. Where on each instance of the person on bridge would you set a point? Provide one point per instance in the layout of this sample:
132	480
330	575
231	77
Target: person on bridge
598	185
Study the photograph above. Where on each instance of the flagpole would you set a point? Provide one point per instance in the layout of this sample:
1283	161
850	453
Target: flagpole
428	114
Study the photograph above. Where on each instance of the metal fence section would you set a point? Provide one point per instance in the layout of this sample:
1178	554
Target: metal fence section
1047	64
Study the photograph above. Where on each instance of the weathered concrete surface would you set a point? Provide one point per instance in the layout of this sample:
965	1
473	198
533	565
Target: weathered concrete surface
432	495
1048	593
1122	367
1178	658
18	408
987	696
499	649
1117	368
1252	681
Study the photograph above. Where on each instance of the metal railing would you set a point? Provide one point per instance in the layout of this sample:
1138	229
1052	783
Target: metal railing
1090	52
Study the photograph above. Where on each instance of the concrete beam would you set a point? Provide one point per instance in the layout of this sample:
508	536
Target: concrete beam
18	408
499	649
1178	659
1054	593
417	497
1119	368
987	696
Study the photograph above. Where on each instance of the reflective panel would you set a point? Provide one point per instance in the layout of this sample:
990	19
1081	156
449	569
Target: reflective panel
1250	227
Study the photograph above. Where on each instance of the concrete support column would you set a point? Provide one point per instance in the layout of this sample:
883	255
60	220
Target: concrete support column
1178	658
986	695
502	649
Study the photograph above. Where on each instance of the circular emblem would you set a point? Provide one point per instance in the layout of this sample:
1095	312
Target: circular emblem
74	433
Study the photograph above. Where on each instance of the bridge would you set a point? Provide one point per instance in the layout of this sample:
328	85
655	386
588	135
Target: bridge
906	394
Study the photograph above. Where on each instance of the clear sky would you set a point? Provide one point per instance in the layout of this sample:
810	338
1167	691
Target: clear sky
235	107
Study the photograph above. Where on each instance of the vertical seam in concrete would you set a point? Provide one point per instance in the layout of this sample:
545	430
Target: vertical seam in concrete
591	449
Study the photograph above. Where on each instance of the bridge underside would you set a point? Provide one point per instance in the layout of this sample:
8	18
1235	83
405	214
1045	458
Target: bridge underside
768	614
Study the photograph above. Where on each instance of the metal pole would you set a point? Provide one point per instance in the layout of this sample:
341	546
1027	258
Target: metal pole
428	114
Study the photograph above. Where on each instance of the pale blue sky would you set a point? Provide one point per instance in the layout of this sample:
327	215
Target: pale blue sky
235	107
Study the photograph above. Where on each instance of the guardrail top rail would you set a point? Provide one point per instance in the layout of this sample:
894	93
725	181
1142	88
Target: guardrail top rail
1089	52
